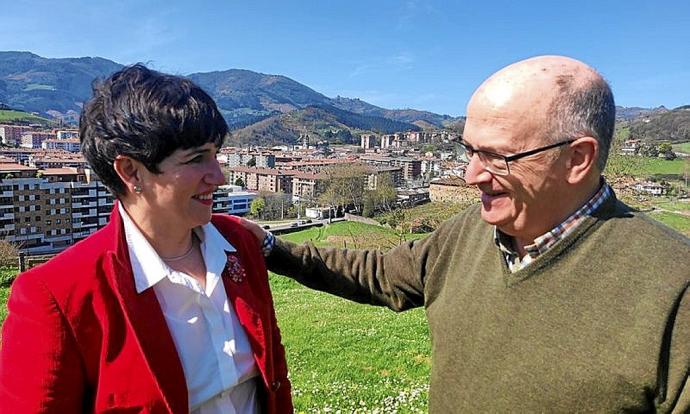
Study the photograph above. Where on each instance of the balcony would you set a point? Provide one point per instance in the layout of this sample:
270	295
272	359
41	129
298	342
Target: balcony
84	204
60	237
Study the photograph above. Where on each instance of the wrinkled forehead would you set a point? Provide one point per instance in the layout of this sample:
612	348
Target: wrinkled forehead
505	116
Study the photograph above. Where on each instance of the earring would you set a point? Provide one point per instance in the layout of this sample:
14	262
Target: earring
137	189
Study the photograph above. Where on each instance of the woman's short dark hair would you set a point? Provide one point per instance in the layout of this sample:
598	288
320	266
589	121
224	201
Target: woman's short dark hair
145	115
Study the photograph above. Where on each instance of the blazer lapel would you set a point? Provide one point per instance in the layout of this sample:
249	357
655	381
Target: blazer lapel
246	306
146	318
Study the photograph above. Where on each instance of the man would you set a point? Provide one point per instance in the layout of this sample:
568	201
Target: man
550	296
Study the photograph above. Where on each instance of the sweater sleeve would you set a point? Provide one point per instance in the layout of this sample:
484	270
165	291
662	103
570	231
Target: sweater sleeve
675	360
395	279
40	368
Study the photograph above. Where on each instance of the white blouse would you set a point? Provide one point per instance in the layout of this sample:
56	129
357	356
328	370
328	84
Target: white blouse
213	348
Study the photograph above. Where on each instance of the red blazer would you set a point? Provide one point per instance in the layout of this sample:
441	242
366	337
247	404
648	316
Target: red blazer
78	338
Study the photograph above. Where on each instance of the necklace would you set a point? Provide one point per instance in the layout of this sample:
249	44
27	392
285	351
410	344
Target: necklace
182	256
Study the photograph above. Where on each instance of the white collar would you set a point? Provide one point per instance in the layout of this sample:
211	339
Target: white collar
147	266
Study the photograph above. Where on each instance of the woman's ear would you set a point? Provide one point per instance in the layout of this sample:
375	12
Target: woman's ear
129	171
582	159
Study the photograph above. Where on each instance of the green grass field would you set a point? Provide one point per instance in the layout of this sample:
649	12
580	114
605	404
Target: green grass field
8	115
346	356
643	166
678	222
683	147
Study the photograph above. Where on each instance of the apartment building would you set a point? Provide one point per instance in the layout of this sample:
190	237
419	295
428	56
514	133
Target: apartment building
56	159
231	199
387	141
262	179
430	166
308	186
314	165
236	158
67	134
64	144
34	139
411	168
368	141
376	173
12	134
19	155
45	211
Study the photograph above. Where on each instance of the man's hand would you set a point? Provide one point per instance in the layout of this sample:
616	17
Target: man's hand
254	228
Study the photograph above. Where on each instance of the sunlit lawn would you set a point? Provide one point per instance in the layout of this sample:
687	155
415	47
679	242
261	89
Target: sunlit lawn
657	166
684	147
347	356
678	222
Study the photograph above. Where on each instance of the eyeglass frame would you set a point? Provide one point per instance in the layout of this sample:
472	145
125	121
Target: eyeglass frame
509	158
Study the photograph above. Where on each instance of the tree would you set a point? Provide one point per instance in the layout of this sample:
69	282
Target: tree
345	186
619	165
369	205
666	150
384	194
239	182
8	254
649	150
275	205
257	207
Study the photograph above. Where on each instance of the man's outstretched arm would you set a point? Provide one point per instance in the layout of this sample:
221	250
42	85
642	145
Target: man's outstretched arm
395	279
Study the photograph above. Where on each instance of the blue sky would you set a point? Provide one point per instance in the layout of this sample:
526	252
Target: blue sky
427	55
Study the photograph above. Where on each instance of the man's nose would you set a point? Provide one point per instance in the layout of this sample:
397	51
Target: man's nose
476	173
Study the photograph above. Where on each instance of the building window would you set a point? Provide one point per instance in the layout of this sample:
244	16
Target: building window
58	221
49	222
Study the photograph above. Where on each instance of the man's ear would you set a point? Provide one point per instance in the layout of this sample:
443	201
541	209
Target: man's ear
582	159
129	171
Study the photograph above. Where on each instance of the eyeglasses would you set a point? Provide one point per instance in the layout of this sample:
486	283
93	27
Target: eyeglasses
496	163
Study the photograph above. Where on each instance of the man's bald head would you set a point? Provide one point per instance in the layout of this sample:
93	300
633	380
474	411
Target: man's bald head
555	96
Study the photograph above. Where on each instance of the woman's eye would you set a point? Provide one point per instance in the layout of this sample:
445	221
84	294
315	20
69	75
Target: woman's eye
195	160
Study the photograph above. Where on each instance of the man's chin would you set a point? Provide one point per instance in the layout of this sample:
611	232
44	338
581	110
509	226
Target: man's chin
495	217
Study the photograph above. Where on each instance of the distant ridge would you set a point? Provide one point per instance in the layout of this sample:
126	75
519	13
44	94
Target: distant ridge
663	125
57	88
258	107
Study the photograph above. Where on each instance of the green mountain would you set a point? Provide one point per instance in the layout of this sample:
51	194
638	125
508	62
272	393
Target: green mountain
35	84
673	126
430	119
320	122
246	97
57	88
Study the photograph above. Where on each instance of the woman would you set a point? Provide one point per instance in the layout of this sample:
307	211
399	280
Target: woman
167	309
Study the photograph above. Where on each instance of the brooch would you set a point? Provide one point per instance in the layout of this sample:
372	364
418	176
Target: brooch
234	269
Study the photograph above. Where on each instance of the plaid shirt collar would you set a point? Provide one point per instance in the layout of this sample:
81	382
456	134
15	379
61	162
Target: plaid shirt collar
546	241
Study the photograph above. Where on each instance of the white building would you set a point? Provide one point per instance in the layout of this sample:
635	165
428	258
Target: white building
231	199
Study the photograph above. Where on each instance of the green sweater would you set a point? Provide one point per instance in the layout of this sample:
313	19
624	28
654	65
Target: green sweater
599	323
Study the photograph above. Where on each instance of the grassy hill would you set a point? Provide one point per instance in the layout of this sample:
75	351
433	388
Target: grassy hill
22	117
321	123
673	126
